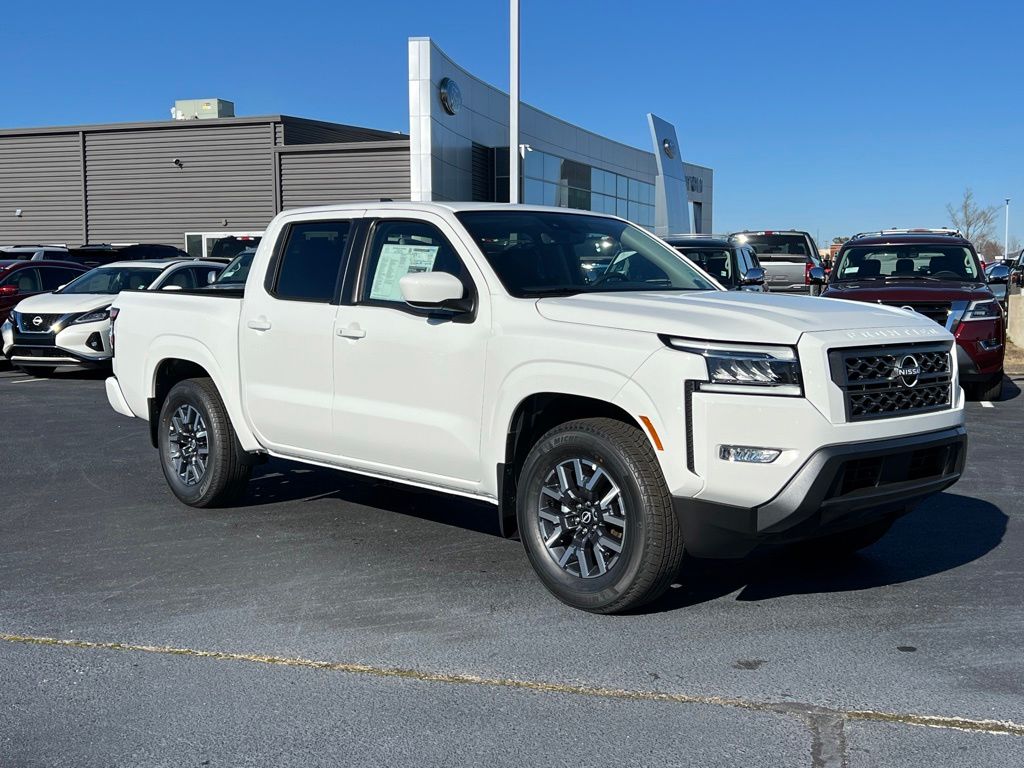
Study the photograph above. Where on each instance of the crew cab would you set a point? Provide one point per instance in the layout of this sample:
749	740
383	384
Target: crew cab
70	324
935	273
614	418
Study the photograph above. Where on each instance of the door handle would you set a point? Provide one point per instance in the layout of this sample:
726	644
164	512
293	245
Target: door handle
259	324
352	332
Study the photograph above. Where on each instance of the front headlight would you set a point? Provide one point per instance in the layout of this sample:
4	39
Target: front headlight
746	369
93	317
987	309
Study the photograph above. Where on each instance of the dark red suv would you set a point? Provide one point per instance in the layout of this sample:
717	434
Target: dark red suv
936	273
21	279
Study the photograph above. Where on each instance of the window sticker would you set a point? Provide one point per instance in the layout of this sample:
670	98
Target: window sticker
394	263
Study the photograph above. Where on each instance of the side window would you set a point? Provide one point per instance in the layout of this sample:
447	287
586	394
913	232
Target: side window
400	248
752	257
54	277
181	278
310	263
25	280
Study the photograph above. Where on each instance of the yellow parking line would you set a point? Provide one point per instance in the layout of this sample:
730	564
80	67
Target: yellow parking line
1003	727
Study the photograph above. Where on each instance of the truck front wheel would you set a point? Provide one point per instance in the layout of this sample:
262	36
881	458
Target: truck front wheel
596	517
199	453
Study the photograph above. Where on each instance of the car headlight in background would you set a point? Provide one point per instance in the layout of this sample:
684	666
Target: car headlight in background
988	309
93	317
739	368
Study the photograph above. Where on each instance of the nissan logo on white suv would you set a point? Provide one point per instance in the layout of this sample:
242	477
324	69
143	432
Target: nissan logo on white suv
37	321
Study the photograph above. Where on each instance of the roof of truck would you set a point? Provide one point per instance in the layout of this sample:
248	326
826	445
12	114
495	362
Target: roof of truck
455	207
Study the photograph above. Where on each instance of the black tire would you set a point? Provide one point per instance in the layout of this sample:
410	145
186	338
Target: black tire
844	544
39	371
651	542
227	466
989	391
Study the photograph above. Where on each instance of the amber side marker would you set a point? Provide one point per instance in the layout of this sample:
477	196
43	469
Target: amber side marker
654	433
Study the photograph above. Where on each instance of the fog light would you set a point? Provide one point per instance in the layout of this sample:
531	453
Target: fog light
748	455
94	342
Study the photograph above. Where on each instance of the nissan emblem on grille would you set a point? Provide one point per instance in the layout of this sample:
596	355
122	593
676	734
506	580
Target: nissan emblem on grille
907	371
37	321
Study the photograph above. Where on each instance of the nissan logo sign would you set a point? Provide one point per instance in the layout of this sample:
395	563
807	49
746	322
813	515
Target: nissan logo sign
37	321
670	148
451	96
907	371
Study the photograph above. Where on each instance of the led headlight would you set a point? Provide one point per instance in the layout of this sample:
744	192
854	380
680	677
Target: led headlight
987	309
749	369
93	317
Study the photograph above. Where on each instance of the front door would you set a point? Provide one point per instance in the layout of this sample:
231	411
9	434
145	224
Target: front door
409	383
286	337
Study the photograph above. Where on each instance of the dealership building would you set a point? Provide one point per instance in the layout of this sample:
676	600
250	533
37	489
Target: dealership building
205	173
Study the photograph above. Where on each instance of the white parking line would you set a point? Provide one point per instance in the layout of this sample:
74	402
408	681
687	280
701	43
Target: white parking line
986	404
25	381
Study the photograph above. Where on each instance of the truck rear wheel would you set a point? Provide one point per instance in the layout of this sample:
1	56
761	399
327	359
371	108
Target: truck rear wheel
596	517
202	461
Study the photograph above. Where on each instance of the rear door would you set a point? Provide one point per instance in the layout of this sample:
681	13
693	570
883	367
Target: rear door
286	337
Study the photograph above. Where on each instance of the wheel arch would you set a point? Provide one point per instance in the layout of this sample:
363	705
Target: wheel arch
534	416
171	370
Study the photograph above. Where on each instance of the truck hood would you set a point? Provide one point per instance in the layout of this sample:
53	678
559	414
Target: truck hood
892	291
722	315
64	303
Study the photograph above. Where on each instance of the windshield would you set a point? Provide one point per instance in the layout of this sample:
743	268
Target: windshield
541	253
230	246
878	262
238	270
113	280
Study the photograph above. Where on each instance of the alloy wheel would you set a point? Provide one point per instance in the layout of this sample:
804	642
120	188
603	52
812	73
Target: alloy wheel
188	445
582	518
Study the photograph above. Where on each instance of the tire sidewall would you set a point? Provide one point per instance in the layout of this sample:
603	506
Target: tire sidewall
188	393
549	452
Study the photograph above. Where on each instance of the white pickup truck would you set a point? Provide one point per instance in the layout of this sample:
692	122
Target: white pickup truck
609	398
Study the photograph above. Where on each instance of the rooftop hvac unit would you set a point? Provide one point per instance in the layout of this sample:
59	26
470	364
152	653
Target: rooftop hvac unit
202	109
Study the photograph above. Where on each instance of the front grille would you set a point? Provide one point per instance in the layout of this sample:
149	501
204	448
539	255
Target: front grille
881	382
26	322
937	311
872	472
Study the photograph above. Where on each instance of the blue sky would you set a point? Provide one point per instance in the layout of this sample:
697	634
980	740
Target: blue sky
827	116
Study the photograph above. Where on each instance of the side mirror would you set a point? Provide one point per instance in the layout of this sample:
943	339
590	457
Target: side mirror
433	290
817	276
753	276
8	290
1000	273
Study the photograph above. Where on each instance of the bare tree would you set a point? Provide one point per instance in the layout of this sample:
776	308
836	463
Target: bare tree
973	221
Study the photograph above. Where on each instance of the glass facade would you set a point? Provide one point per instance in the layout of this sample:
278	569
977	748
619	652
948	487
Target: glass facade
550	180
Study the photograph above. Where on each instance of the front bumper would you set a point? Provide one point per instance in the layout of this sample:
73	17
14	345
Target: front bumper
839	487
85	345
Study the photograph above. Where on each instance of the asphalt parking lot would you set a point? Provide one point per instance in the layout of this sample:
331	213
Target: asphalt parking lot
341	621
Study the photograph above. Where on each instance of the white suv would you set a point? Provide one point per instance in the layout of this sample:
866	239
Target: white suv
71	326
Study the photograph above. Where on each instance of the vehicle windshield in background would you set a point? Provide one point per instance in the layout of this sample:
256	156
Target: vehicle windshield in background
717	262
537	253
231	246
778	247
112	280
936	262
237	271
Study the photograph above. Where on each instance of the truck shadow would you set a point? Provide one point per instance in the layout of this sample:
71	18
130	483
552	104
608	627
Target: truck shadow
1011	387
944	533
280	481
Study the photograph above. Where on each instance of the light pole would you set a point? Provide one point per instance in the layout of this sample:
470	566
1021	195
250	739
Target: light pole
1006	233
513	103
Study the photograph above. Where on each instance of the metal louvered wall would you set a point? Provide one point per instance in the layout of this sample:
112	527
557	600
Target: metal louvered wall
137	193
120	183
41	175
340	173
